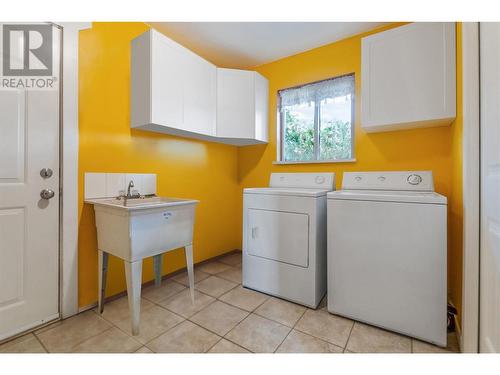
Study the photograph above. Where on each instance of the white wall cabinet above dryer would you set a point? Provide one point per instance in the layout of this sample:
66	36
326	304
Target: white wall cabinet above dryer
408	77
172	89
242	106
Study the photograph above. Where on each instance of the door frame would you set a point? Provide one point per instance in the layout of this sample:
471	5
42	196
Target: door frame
68	218
469	335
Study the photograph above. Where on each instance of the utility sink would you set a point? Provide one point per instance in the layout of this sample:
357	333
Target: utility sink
140	203
137	228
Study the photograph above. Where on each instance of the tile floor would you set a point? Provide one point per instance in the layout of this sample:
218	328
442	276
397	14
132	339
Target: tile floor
225	318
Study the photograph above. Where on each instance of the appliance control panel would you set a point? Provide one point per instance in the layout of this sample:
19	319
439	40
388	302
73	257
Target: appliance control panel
411	181
303	180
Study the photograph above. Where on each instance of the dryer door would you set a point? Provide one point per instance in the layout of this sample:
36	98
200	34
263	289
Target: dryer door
279	236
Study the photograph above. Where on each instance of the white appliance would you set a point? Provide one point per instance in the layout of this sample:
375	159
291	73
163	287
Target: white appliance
387	253
284	236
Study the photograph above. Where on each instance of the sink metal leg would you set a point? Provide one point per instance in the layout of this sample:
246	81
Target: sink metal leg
189	264
133	274
102	272
158	265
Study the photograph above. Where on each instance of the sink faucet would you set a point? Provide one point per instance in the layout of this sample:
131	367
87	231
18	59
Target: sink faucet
130	185
129	195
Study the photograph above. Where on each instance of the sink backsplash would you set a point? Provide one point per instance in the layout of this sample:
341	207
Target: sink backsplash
108	185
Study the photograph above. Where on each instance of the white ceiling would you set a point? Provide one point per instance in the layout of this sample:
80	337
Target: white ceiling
249	44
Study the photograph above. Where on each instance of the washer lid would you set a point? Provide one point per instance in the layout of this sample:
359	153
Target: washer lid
389	196
297	192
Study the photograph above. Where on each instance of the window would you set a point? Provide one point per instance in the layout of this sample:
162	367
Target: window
316	121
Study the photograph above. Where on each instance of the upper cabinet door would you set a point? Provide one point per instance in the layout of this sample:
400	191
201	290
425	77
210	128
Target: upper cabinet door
235	103
408	77
200	80
156	93
167	82
242	106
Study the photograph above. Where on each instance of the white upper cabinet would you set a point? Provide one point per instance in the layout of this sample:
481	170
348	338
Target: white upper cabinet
242	106
408	77
200	84
172	89
177	92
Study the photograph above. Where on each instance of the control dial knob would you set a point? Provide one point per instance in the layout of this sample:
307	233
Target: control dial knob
414	179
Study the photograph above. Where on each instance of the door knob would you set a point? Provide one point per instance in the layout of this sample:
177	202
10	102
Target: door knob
47	194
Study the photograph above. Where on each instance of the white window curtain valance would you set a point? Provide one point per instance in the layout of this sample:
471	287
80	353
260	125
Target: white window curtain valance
330	88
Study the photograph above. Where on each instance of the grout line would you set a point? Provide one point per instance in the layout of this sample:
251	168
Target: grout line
349	337
271	319
281	343
214	345
317	338
87	338
41	343
232	342
228	339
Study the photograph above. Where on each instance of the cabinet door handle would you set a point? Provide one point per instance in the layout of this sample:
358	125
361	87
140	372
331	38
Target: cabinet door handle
254	232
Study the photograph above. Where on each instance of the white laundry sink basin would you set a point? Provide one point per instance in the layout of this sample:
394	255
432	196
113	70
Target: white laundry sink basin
140	203
143	227
139	228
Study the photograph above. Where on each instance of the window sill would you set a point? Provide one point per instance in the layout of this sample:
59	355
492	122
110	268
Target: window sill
315	162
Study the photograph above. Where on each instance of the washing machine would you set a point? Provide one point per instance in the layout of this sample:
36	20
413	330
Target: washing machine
387	243
284	236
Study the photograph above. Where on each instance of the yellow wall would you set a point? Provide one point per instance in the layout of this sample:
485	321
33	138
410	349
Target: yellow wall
437	149
186	168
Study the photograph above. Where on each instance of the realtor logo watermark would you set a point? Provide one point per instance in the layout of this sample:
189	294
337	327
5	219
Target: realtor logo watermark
27	57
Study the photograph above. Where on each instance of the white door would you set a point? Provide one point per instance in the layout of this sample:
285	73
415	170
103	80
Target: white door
29	225
489	315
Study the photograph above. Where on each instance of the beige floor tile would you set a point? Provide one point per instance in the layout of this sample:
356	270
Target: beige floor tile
64	336
144	350
215	286
283	312
369	339
225	346
213	267
110	341
118	310
183	279
219	317
167	289
181	303
325	326
232	259
243	298
187	337
259	335
155	320
24	344
233	274
298	342
424	347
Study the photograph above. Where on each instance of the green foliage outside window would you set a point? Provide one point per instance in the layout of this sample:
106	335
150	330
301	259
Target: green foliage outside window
334	136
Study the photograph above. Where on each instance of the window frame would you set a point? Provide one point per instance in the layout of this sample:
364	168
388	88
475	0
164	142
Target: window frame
281	127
